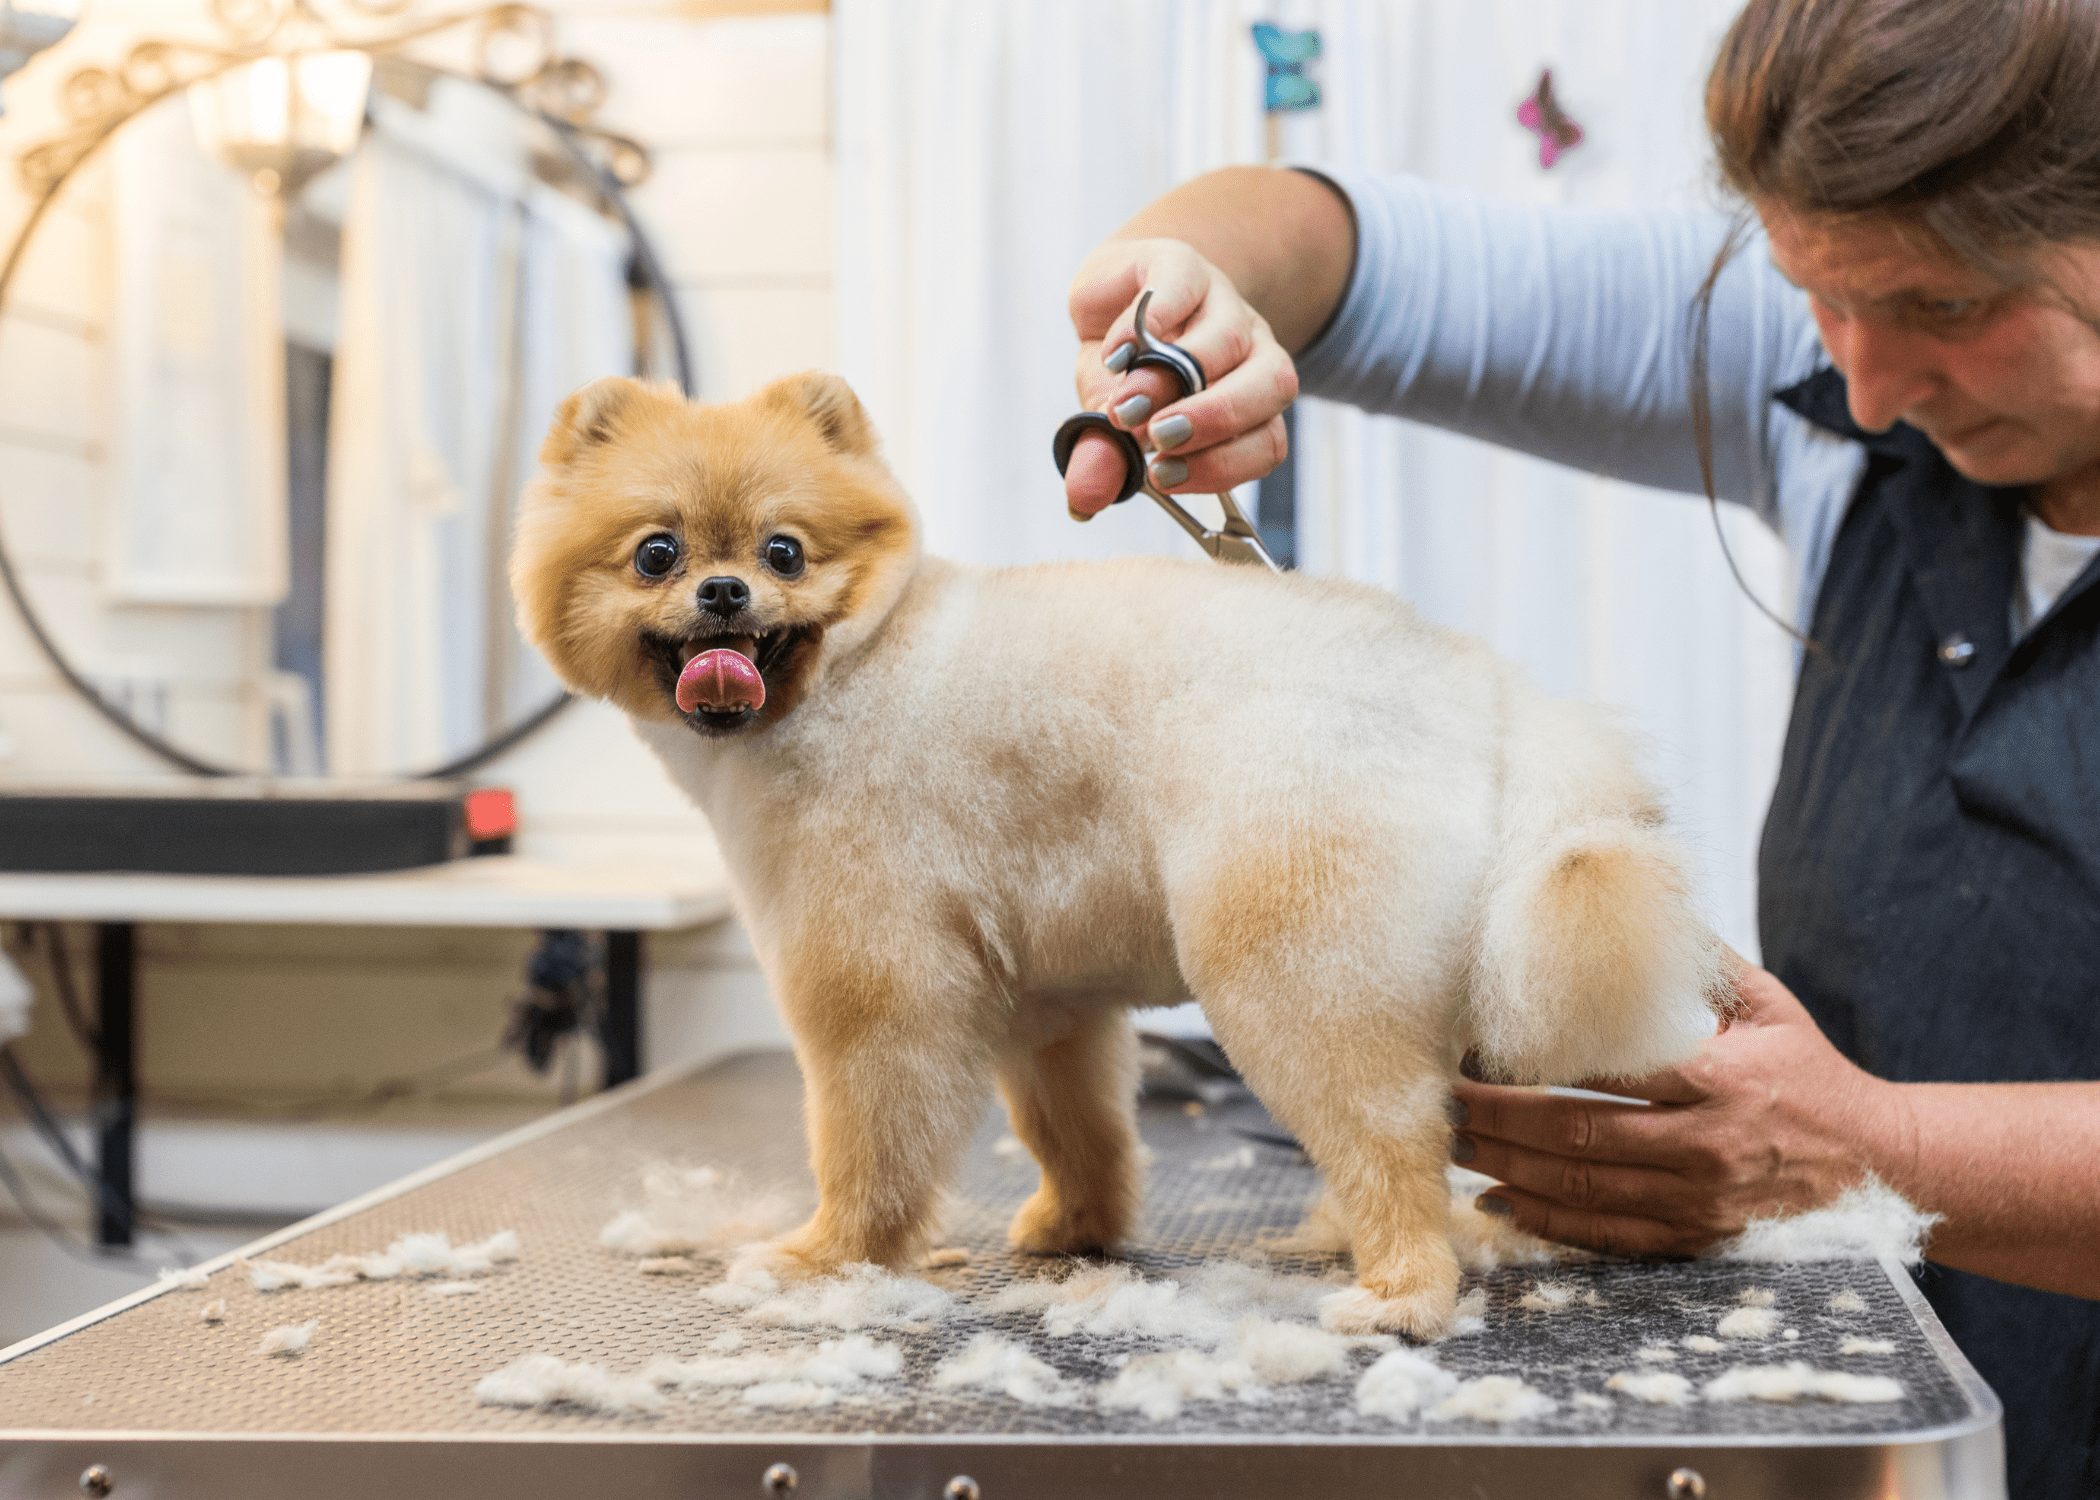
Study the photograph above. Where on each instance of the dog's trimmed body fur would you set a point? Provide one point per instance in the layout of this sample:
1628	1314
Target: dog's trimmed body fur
984	813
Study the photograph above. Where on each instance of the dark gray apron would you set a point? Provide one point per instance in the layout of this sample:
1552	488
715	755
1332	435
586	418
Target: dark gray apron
1929	881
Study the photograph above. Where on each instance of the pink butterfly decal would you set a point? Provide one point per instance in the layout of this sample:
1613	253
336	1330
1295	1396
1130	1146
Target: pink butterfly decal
1557	133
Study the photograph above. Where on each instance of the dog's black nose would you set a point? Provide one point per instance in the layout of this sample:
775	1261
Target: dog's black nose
724	596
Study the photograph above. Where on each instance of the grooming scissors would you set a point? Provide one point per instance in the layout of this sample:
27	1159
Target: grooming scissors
1236	541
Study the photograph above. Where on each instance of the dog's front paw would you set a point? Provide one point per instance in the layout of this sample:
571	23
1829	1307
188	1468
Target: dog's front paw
1049	1225
1423	1315
772	1264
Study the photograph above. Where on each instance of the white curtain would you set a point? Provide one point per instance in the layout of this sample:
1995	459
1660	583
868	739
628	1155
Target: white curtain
983	149
199	504
473	299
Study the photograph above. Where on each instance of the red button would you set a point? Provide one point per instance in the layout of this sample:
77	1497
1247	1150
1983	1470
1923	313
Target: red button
492	813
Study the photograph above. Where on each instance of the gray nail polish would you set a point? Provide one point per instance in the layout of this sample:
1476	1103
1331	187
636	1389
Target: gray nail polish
1169	472
1461	1149
1171	432
1495	1208
1134	411
1456	1112
1119	358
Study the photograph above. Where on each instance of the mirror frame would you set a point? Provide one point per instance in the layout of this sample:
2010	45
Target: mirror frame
561	92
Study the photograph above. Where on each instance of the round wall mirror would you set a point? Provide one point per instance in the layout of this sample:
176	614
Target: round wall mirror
284	343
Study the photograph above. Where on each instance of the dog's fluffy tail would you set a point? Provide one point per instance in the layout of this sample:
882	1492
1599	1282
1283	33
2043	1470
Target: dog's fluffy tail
1593	961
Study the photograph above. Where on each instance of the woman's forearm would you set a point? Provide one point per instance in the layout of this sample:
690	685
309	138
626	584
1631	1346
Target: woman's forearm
1285	239
2013	1167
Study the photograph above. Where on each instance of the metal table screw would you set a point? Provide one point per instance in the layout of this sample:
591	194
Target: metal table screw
961	1487
95	1481
1686	1484
779	1479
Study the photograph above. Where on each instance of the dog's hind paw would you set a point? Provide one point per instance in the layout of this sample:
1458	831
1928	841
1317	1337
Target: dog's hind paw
1046	1225
1423	1316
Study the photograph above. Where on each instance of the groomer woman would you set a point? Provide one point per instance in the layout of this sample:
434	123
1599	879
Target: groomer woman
1903	377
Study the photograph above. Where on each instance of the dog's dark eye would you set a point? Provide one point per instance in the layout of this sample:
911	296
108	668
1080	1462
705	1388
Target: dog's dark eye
656	556
784	556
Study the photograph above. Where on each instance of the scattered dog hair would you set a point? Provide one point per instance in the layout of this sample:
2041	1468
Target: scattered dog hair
1748	1323
1470	1316
1868	1220
1656	1387
791	1393
1795	1379
453	1288
1158	1384
1493	1398
1867	1346
859	1296
290	1339
1591	1401
1400	1383
1009	1148
540	1380
189	1279
422	1254
1847	1302
833	1366
699	1209
1791	1334
728	1341
992	1363
213	1312
1557	1296
1703	1343
667	1265
941	1259
1231	1161
1757	1296
1656	1355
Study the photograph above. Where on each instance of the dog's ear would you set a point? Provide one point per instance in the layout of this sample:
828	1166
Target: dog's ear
589	417
828	404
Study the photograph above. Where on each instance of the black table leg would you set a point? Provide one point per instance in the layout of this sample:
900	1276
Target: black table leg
623	1007
116	1078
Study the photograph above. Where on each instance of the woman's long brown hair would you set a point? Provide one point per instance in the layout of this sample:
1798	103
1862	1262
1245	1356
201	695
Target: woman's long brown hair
1974	124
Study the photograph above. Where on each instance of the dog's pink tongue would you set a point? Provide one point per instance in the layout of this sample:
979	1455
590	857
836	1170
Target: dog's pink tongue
721	681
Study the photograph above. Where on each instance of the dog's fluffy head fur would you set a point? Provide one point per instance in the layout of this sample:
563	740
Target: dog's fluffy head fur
626	465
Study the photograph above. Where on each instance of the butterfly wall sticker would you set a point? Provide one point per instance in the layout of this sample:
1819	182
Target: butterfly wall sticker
1557	133
1287	53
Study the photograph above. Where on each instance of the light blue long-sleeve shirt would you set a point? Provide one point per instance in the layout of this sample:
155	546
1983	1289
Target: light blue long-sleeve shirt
1562	332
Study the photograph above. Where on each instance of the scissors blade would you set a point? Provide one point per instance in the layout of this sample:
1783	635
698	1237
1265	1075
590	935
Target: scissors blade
1236	542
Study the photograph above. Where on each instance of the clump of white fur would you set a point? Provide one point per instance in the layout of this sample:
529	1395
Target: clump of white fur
542	1380
696	1209
1656	1387
1400	1383
1795	1379
858	1296
1494	1398
992	1363
427	1253
290	1339
1865	1222
810	1377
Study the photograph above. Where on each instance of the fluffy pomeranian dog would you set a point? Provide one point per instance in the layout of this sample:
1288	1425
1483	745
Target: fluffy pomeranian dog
974	816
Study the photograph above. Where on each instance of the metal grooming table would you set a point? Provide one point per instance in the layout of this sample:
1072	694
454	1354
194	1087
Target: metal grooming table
382	1403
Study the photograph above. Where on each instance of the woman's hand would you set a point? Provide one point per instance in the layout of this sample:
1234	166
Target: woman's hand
1230	433
1768	1118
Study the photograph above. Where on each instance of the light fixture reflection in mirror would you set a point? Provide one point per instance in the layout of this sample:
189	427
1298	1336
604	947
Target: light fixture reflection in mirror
282	120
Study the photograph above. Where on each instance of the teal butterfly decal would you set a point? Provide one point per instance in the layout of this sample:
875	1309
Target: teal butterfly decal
1287	53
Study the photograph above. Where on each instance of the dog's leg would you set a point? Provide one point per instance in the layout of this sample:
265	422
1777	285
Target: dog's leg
1073	1103
1369	1107
896	1075
1325	963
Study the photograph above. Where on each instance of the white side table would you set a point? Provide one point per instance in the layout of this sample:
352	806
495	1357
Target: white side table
623	900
